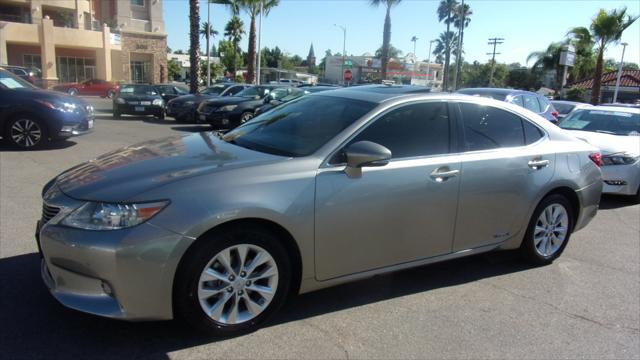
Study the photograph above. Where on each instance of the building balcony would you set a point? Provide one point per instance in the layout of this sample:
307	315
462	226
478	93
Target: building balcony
20	33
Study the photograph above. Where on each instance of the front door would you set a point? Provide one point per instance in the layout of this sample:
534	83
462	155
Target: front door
400	212
503	164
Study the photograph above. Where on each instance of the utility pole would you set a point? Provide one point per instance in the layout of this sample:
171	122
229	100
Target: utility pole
495	42
426	79
615	93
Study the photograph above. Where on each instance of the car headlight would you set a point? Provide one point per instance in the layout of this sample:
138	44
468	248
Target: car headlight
228	108
157	102
58	105
120	101
622	159
106	216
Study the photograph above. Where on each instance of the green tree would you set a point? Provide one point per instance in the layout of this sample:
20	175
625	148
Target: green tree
549	60
445	42
212	34
179	52
606	28
392	53
386	32
217	70
585	64
252	7
194	42
173	69
234	31
229	58
462	18
446	13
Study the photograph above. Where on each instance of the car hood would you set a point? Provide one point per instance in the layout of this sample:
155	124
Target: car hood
229	100
192	97
130	97
50	95
122	174
610	144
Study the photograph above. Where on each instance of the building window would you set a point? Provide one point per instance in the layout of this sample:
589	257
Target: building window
32	61
75	69
137	2
141	72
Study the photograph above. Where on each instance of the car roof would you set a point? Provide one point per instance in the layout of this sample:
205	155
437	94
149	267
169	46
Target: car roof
568	102
500	92
377	93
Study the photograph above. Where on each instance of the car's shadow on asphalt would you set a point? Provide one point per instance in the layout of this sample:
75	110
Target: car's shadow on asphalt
195	128
55	145
35	325
616	201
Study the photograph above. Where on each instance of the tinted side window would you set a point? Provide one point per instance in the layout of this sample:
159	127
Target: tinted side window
531	132
489	128
517	101
531	103
544	103
234	90
169	90
412	130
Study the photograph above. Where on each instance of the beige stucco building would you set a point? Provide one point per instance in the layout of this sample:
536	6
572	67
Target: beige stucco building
74	40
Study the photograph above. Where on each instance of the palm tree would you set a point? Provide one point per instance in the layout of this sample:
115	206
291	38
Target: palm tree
548	60
585	64
446	41
194	50
234	31
606	28
252	7
386	32
212	33
462	18
393	52
445	13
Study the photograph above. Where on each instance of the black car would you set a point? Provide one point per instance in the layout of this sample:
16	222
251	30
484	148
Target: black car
31	117
183	108
230	112
270	102
138	99
170	91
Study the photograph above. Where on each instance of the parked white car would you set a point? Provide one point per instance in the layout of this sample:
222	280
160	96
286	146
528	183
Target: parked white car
616	131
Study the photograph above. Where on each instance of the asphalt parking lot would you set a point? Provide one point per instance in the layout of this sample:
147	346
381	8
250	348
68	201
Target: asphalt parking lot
585	305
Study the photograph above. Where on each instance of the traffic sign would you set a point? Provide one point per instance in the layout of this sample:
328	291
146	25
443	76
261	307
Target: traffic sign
348	75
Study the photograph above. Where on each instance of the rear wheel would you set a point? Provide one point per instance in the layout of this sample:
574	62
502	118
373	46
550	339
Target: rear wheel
231	282
246	116
26	132
72	91
160	115
549	230
116	114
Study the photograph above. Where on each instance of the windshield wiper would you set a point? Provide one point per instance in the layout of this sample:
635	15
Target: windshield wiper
606	132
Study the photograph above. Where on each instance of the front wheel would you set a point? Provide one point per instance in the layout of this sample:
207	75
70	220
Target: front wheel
72	91
160	115
549	230
26	132
111	94
246	116
231	282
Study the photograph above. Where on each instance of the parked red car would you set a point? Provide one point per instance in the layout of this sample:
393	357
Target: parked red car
90	87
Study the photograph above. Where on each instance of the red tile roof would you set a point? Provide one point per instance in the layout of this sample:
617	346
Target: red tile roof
629	78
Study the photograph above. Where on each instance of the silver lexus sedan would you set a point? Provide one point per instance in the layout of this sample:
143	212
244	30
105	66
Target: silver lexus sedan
219	229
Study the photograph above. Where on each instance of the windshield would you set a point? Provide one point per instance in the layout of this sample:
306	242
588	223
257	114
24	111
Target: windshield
294	95
563	108
214	90
603	121
10	81
138	90
254	91
301	127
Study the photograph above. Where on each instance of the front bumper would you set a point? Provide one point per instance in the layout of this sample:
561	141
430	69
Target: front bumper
125	274
139	109
621	179
181	111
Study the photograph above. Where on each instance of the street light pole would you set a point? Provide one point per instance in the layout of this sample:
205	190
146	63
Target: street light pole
208	35
415	58
426	80
259	49
344	46
615	92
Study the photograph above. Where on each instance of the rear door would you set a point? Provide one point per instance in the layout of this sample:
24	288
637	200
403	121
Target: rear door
505	161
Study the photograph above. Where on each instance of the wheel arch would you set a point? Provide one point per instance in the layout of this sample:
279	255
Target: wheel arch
8	118
571	196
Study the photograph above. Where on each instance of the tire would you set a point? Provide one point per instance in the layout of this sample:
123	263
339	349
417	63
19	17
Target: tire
231	292
545	242
246	116
26	132
116	115
111	94
72	91
636	197
160	116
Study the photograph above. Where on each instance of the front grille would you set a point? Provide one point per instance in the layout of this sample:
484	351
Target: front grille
48	212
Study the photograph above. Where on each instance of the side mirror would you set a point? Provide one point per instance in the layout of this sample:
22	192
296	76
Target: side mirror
366	154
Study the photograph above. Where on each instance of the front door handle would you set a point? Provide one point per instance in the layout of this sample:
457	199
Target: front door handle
443	173
538	164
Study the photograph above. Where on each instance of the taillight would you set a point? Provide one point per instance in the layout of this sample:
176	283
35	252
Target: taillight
596	158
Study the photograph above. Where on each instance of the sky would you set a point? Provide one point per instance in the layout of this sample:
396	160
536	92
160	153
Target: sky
526	26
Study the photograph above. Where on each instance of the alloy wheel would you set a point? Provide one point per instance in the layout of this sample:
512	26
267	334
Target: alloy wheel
551	230
246	117
238	284
26	133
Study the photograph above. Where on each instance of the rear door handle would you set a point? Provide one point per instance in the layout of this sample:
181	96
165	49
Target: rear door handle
538	164
443	173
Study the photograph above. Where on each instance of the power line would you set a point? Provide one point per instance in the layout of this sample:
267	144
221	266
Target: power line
495	42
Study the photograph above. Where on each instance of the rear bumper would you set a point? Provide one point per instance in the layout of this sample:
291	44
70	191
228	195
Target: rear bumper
621	179
589	198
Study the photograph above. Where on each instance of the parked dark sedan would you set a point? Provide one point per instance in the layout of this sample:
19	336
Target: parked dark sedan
232	111
271	102
183	108
31	117
170	91
526	99
138	99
